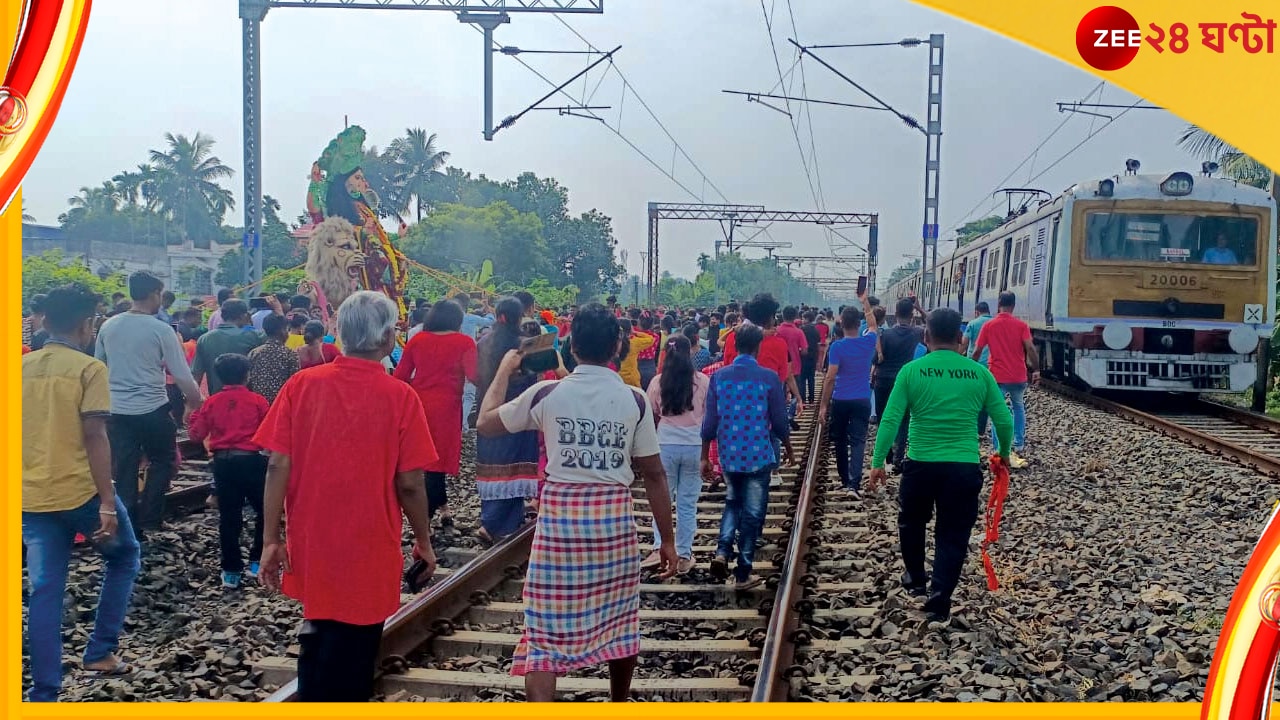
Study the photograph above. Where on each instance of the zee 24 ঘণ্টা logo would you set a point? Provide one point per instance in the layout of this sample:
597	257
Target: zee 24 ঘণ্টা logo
1109	37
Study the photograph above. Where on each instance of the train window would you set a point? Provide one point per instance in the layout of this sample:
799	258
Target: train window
1171	238
1018	276
993	269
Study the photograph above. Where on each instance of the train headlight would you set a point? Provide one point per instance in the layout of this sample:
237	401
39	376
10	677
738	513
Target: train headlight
1106	188
1242	340
1117	336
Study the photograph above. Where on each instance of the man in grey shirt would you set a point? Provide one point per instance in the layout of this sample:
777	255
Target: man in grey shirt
138	349
235	335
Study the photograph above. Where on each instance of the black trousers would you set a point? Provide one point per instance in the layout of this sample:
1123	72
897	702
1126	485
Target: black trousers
336	661
437	491
238	479
177	404
883	388
951	490
648	369
849	419
131	436
808	381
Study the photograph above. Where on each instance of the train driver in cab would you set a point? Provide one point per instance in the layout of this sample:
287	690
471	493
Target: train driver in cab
1220	254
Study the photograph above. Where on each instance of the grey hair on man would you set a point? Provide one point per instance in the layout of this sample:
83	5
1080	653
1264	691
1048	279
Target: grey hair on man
367	322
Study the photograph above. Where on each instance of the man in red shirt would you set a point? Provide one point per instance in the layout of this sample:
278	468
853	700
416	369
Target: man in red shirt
1013	357
229	420
774	355
797	343
348	447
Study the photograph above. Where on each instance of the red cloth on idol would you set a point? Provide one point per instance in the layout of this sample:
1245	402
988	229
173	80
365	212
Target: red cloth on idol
348	427
438	366
229	419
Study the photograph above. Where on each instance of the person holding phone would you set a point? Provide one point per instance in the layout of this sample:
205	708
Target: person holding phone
506	463
599	435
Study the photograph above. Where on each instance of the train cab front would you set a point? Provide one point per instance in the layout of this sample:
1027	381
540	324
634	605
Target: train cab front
1176	285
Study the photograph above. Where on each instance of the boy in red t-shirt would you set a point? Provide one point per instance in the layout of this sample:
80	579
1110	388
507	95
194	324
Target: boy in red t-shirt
229	419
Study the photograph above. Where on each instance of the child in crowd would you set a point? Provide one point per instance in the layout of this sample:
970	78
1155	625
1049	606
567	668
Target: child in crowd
229	419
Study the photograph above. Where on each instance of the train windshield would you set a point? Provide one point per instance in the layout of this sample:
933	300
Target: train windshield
1172	238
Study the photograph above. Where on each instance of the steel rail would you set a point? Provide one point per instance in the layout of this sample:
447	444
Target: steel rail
1248	457
421	620
782	633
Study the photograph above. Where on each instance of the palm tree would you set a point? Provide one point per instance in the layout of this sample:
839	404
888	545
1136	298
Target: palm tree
27	217
186	184
135	186
415	165
104	200
1234	164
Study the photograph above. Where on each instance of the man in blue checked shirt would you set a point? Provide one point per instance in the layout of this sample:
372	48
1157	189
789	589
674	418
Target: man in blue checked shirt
746	409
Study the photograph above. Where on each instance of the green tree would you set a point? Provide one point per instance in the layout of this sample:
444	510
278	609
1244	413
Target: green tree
186	186
970	231
903	271
415	164
1204	145
280	251
98	214
460	238
46	271
26	216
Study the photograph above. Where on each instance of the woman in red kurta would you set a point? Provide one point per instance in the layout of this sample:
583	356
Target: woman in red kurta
437	362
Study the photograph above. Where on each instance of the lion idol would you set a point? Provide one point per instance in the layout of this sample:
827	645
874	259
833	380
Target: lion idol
347	247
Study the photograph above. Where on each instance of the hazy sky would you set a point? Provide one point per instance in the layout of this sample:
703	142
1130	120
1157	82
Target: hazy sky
151	66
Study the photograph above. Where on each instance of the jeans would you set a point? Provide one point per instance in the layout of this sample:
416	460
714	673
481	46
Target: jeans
880	398
682	464
131	436
745	502
808	380
468	402
49	537
238	479
336	661
1015	391
849	419
951	488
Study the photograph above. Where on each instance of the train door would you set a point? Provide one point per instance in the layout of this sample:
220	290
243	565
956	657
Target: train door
979	276
1044	269
1004	264
962	277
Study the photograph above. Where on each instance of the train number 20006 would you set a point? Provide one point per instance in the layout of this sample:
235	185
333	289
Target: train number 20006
1163	280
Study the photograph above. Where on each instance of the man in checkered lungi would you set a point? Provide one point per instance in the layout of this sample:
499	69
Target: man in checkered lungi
582	589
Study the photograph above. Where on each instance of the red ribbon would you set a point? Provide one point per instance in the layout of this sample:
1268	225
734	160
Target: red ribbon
995	510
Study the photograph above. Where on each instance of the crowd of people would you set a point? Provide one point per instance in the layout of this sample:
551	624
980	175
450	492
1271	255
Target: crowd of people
331	427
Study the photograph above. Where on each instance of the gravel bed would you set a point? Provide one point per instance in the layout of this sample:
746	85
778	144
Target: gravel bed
186	637
1120	550
1119	553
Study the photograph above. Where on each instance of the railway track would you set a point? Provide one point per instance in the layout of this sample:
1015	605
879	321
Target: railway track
701	639
1246	437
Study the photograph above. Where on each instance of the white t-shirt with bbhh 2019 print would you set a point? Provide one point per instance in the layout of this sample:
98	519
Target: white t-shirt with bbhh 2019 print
592	423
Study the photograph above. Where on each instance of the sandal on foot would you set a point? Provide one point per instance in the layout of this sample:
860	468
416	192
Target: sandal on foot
120	667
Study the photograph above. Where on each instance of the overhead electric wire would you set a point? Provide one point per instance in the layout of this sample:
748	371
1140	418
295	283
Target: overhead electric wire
808	113
804	162
1025	160
628	86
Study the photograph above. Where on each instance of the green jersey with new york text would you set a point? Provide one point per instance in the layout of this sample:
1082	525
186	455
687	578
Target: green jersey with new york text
943	391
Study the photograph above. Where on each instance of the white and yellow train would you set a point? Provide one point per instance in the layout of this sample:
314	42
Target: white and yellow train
1130	282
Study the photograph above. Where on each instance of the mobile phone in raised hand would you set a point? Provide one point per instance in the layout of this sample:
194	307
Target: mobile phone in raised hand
862	285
